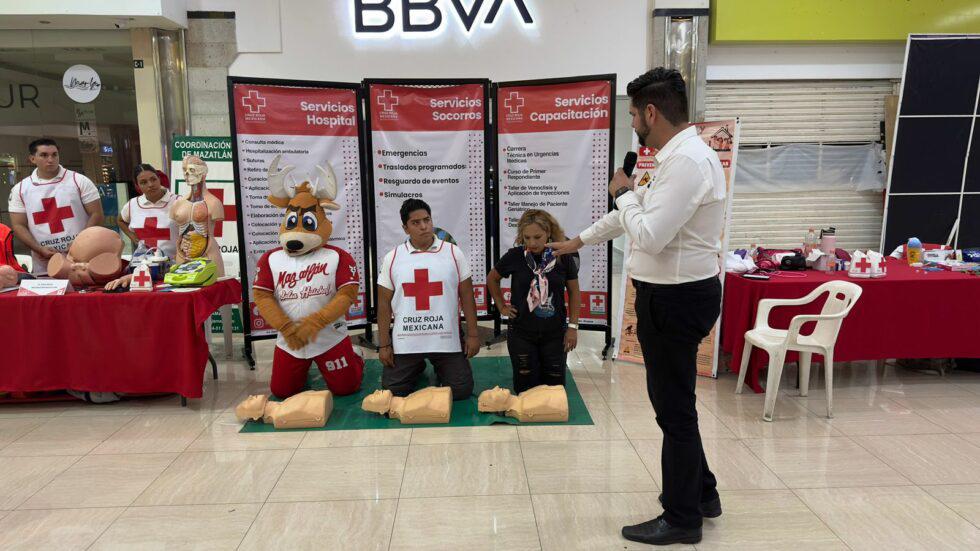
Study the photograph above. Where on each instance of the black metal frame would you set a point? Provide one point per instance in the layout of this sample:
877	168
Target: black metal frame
611	78
488	160
242	259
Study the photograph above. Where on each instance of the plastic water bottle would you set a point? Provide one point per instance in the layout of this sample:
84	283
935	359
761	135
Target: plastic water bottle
810	243
914	251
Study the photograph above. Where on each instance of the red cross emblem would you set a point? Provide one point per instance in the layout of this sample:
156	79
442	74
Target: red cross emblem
142	278
864	265
646	151
253	101
514	102
598	303
150	233
229	211
52	215
387	100
881	264
478	293
422	289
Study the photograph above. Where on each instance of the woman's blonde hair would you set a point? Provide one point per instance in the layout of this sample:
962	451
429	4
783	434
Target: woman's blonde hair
543	219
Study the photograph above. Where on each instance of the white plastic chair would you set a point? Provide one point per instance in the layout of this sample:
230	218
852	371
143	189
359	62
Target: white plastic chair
841	297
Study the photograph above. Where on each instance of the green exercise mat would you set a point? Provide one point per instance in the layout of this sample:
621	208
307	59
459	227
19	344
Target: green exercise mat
487	373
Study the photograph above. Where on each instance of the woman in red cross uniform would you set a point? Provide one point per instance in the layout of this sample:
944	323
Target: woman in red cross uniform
147	218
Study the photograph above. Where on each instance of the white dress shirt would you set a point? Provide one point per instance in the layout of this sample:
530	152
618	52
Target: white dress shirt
675	223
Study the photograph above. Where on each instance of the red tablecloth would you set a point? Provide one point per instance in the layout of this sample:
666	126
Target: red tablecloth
119	342
910	313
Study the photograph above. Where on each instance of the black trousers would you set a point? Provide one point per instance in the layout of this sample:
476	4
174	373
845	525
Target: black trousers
537	357
671	322
452	370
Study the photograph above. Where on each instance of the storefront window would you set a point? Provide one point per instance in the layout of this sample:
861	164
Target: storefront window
99	139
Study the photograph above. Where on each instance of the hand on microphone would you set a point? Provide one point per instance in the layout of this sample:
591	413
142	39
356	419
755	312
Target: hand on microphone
566	247
620	180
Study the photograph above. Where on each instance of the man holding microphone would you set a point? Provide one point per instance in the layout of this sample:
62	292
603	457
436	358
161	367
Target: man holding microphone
675	225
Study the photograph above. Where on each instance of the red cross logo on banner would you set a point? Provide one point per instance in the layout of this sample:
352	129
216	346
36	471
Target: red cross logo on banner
141	278
253	101
864	265
387	100
514	102
52	215
150	233
598	303
422	289
478	294
229	211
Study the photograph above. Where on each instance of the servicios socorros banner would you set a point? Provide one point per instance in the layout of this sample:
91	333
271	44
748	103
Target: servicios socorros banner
429	143
553	152
308	126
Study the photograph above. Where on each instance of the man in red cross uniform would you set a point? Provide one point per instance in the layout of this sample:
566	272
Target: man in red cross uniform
421	286
52	205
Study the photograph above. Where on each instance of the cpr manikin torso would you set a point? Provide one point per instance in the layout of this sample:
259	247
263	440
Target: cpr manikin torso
92	259
428	405
308	409
195	215
541	404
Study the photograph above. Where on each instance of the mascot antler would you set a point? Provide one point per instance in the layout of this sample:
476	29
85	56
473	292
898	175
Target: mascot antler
278	192
324	188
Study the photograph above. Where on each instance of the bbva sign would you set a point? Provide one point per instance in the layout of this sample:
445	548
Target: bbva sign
381	16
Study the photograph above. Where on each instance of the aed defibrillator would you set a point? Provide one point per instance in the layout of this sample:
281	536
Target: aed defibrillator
196	272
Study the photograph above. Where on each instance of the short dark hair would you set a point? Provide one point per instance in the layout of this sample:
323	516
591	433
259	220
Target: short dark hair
32	148
665	89
412	205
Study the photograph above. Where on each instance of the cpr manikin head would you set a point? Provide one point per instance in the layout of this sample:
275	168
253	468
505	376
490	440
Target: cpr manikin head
429	405
195	170
92	259
305	227
541	404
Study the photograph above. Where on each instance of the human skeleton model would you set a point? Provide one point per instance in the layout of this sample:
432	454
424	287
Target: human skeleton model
428	405
305	410
196	214
541	404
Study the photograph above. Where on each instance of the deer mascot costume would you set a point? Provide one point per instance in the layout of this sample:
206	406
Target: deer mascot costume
304	288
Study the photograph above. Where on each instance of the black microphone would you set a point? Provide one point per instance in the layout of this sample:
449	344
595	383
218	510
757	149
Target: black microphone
629	163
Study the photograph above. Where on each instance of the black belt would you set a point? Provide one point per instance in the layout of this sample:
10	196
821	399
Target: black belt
686	285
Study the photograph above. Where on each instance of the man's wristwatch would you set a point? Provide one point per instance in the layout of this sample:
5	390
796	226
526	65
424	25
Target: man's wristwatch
573	326
619	192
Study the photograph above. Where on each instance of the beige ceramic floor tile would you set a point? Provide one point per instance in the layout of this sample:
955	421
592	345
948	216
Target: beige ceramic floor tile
891	518
20	477
31	411
202	478
639	421
324	525
604	427
955	414
156	434
475	522
346	438
734	466
766	519
962	498
67	436
101	481
61	529
87	409
858	417
928	458
464	470
593	521
464	435
573	467
790	420
12	429
823	462
925	390
223	435
973	438
211	527
342	473
624	386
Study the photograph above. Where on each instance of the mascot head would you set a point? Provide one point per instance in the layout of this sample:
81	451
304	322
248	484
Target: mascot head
305	227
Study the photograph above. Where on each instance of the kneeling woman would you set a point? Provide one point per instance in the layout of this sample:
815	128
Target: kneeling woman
538	337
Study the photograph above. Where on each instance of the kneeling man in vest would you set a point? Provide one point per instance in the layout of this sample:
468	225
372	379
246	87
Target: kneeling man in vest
424	281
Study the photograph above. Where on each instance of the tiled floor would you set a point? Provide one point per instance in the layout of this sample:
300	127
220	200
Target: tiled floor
897	468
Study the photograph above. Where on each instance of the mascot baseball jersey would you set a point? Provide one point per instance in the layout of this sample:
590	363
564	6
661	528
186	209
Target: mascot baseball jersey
304	284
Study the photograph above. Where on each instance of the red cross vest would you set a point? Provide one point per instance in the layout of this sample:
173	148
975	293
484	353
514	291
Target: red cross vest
152	224
426	300
55	213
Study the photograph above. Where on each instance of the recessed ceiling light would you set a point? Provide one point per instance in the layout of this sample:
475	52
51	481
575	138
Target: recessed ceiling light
43	22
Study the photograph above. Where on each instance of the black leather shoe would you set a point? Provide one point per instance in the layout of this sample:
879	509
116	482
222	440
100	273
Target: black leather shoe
659	532
709	509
